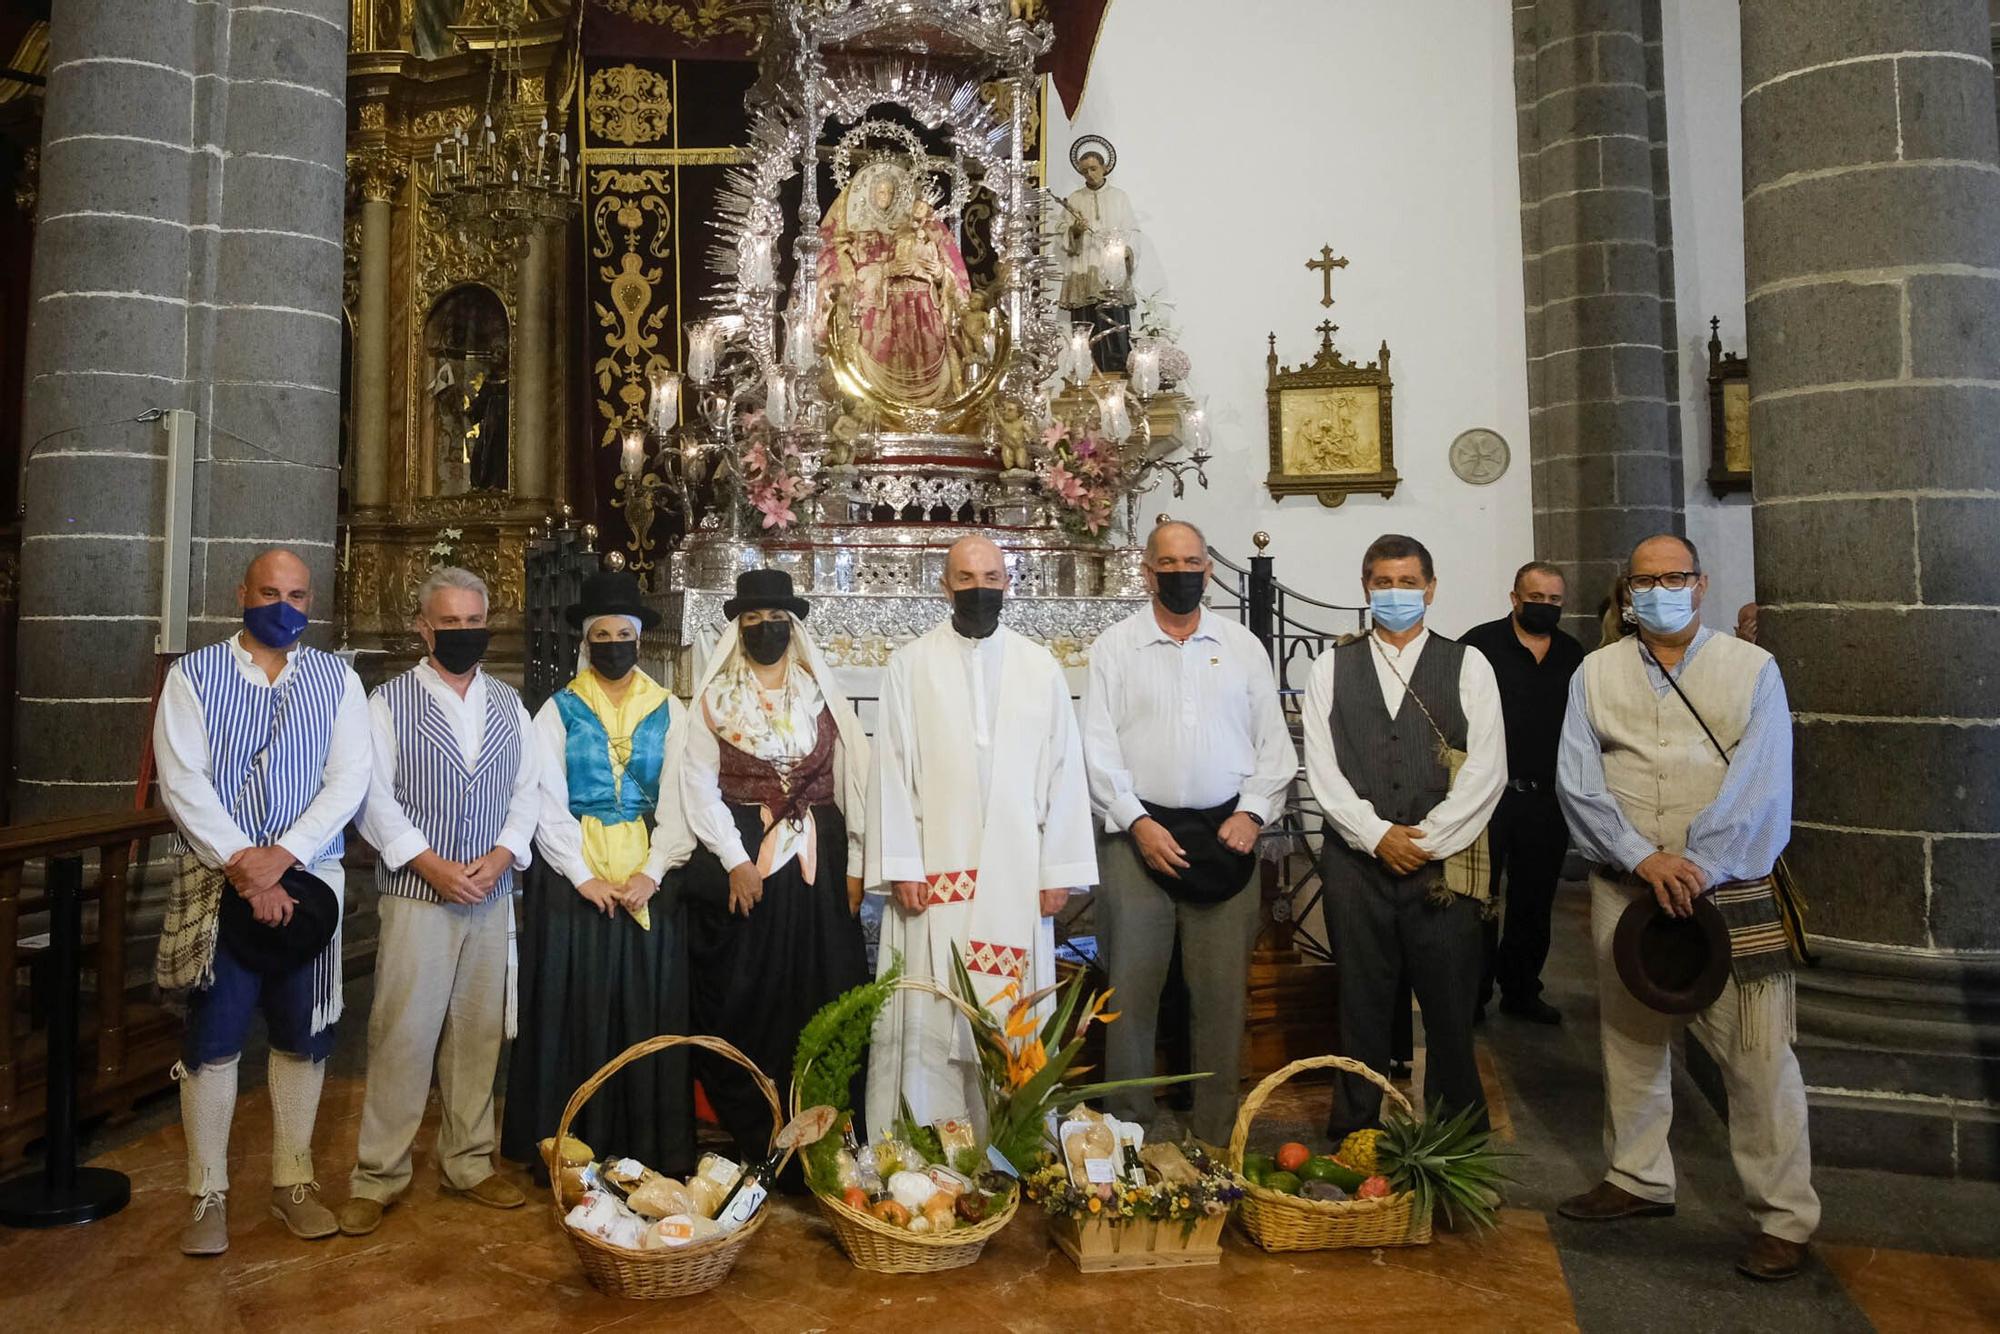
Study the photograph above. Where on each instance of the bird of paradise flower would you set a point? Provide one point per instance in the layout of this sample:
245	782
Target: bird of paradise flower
1026	1066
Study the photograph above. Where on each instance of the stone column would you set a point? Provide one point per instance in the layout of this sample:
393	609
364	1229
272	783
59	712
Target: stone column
1606	472
532	336
189	256
378	177
1871	179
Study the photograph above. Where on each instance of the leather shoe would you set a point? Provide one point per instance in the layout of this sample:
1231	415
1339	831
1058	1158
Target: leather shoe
207	1230
361	1216
1604	1202
1534	1009
1772	1259
493	1192
299	1209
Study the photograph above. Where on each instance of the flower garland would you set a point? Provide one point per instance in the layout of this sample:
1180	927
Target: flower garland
1215	1193
772	472
1080	473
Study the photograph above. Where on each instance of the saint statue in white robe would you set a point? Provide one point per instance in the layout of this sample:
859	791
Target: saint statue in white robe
980	795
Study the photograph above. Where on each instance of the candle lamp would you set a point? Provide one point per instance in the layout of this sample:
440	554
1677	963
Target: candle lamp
663	408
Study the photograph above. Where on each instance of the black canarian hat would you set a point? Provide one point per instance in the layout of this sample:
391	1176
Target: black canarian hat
611	593
760	590
281	949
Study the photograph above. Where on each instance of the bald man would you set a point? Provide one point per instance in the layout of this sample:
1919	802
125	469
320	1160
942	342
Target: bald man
263	753
978	829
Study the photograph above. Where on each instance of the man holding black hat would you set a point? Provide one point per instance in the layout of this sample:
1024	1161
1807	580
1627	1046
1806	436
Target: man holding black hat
1676	775
1188	756
451	810
263	753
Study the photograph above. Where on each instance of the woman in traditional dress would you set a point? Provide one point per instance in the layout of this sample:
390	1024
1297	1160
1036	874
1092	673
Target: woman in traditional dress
603	961
773	786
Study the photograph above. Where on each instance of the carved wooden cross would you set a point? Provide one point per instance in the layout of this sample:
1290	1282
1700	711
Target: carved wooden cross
1326	264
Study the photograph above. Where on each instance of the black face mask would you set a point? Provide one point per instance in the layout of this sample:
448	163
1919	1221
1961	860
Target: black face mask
1539	618
766	641
612	658
975	612
459	651
1180	590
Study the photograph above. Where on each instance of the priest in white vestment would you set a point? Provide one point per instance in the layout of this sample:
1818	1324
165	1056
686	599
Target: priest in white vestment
979	829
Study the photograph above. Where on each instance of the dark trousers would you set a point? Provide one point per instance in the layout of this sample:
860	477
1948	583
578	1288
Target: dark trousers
1385	927
1110	334
1528	840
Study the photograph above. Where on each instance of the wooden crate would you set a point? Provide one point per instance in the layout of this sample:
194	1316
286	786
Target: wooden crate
1101	1247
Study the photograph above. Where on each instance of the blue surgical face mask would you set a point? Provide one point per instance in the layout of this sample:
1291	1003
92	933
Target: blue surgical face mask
1664	611
275	624
1396	609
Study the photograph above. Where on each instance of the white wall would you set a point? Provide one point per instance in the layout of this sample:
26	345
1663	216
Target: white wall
1385	129
1704	82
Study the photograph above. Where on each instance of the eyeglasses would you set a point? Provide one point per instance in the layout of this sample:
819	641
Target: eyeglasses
1673	581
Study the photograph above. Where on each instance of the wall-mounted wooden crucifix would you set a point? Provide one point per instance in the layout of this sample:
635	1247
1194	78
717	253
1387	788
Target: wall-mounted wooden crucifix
1326	264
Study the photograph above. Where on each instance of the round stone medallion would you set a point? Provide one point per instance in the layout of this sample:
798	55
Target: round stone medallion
1479	456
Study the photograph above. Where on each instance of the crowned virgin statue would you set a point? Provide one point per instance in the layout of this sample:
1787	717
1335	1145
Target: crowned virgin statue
893	288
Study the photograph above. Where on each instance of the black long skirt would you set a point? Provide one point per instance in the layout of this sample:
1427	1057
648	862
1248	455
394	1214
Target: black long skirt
591	986
758	979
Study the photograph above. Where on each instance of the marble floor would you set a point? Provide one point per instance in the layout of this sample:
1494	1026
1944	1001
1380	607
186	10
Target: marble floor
1895	1253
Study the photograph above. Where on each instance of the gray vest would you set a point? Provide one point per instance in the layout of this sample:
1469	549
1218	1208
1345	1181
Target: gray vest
1394	762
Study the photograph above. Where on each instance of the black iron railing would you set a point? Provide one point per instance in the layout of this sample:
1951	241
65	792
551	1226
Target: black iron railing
1277	615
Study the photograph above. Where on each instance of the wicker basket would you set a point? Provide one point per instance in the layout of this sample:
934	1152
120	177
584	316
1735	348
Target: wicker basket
1280	1222
671	1271
882	1248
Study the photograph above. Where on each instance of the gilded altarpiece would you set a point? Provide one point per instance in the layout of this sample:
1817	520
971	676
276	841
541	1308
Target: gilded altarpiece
420	512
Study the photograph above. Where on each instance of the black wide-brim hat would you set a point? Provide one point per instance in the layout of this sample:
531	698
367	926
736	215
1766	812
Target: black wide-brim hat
611	593
281	949
761	590
1676	965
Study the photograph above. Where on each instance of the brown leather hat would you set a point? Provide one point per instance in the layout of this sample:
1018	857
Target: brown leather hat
1676	965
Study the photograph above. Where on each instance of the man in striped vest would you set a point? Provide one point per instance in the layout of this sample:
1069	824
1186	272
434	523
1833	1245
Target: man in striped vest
263	754
1406	754
1675	772
452	813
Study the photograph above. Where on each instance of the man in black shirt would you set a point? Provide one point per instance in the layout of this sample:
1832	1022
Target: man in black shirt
1533	660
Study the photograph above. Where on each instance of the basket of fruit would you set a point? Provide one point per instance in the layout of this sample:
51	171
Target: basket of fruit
1380	1189
919	1199
640	1234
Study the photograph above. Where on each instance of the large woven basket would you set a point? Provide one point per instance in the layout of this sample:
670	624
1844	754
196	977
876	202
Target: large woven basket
882	1248
1280	1222
671	1271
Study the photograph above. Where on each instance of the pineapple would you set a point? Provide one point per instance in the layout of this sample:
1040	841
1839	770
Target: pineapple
1358	1151
1446	1162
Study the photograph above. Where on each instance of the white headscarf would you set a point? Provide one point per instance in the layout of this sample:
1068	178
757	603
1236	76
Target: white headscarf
672	831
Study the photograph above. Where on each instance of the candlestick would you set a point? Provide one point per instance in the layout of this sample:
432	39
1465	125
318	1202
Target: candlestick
1143	365
1112	418
663	410
1080	365
632	453
778	399
703	340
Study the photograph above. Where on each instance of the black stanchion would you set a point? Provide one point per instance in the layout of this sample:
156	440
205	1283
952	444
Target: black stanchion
63	1193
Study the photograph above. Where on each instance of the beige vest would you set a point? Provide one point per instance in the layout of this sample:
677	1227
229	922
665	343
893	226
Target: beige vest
1658	762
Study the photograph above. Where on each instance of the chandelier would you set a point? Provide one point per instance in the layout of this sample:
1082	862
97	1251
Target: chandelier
506	172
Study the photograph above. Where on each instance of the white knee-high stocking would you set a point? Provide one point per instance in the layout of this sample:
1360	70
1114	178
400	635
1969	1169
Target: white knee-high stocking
295	1084
208	1105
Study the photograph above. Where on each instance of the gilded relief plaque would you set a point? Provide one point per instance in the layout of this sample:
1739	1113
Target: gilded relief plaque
1332	432
1728	416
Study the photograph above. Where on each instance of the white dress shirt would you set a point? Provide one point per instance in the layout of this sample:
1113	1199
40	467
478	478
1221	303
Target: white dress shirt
1183	725
384	823
187	775
1453	823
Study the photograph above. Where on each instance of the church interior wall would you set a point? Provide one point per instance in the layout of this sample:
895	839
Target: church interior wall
1704	78
1404	165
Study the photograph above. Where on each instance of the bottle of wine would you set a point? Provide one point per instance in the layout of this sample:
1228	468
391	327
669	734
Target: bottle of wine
749	1193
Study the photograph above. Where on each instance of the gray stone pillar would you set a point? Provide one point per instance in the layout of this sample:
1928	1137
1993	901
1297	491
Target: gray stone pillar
1606	470
533	337
188	256
1871	179
378	176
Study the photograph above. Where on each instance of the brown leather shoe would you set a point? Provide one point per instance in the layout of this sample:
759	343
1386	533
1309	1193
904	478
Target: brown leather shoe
493	1192
299	1209
1772	1259
360	1216
1604	1202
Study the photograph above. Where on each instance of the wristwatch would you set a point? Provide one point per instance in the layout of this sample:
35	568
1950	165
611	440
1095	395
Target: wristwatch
1252	815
